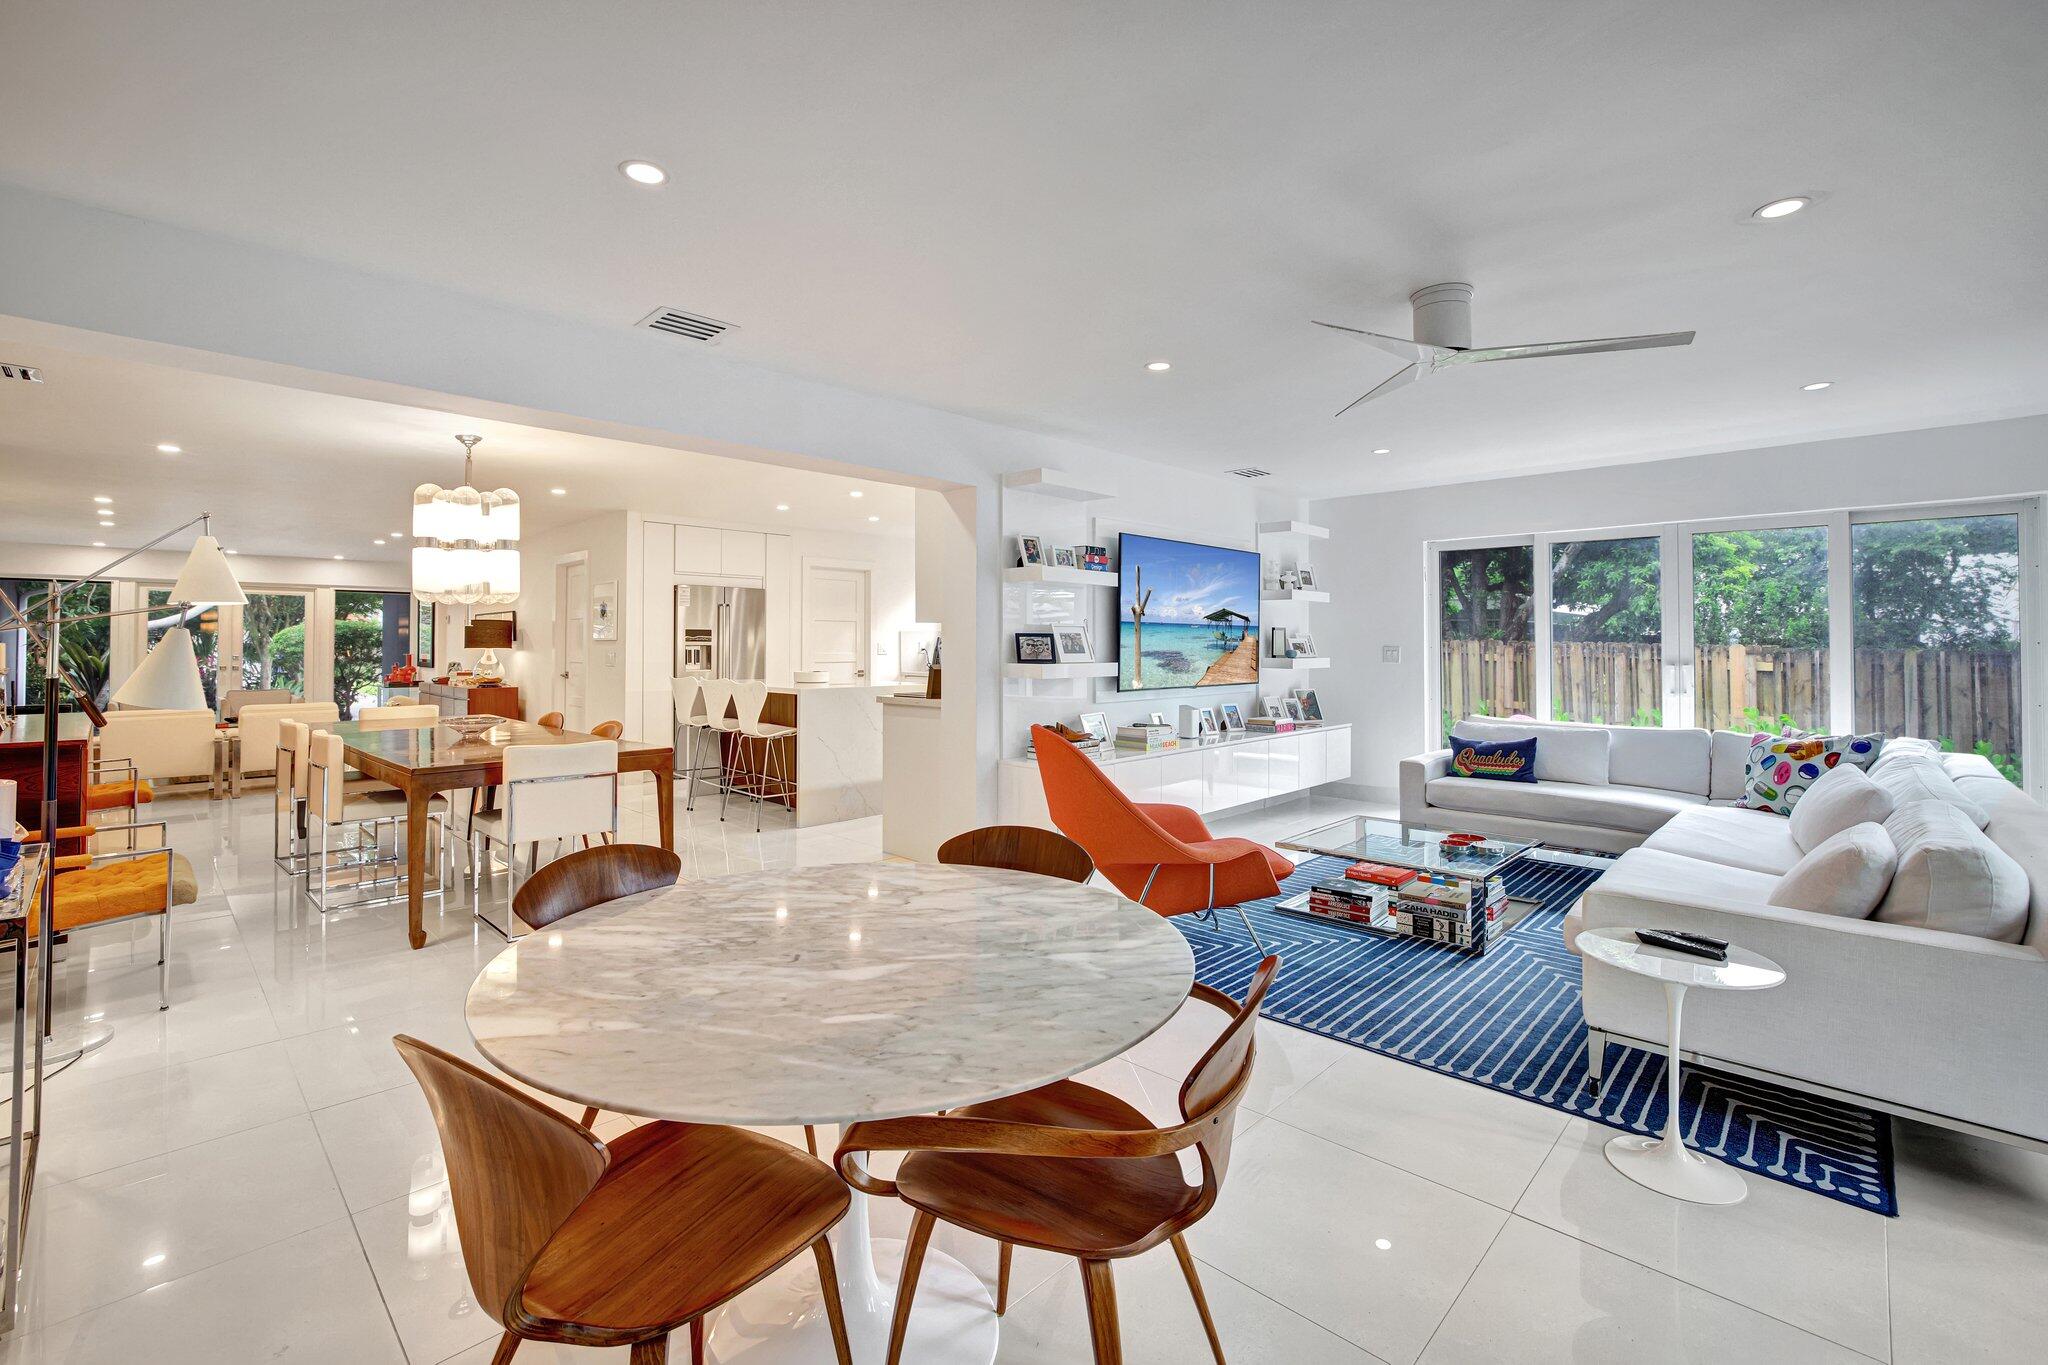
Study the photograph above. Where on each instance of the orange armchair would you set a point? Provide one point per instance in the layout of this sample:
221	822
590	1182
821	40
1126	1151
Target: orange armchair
1163	857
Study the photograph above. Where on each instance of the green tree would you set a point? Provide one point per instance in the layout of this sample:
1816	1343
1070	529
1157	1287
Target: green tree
1607	590
1942	583
82	646
358	657
1761	588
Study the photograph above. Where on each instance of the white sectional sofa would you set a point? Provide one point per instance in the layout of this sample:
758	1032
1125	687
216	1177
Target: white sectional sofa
1926	1022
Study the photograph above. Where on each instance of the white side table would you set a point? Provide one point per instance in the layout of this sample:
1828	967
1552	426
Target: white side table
1664	1164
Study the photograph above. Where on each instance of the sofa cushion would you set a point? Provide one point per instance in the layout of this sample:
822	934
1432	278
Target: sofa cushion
1653	872
1780	769
1846	874
1951	877
1754	840
1842	797
1495	760
1922	779
1564	753
1729	765
1635	809
1642	756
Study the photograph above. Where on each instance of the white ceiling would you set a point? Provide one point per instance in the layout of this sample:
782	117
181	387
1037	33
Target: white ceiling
289	472
1007	210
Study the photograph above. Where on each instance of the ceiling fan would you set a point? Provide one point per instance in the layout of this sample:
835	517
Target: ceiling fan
1443	338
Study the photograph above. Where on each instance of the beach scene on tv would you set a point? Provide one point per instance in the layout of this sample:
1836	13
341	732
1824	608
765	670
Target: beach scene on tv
1188	615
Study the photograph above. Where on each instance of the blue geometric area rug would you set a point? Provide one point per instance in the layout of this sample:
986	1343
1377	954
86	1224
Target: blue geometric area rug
1512	1020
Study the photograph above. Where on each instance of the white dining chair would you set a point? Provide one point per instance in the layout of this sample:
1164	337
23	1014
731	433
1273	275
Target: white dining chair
714	697
551	793
338	822
769	778
425	712
288	805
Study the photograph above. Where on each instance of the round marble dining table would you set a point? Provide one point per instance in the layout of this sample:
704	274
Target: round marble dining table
826	995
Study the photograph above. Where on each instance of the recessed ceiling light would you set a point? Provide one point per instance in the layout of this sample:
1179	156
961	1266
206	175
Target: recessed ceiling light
1782	208
856	493
234	552
1816	388
337	556
874	518
1159	366
782	507
99	545
376	542
102	499
396	535
642	172
1384	450
169	449
559	492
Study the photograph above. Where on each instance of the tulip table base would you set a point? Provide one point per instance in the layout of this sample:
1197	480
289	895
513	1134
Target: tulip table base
952	1321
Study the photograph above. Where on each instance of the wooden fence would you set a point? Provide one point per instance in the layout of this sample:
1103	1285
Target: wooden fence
1966	698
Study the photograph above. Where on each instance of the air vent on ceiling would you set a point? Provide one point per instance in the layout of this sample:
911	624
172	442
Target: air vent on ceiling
24	372
694	326
1249	472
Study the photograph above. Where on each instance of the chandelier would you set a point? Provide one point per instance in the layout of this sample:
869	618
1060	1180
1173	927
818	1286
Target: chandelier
465	542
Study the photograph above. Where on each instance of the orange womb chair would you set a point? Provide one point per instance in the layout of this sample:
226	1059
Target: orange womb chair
1162	857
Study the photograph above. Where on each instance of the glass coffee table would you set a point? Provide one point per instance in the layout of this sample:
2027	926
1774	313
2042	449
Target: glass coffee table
1361	838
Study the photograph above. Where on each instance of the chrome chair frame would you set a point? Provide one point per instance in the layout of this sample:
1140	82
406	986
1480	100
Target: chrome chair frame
322	859
480	856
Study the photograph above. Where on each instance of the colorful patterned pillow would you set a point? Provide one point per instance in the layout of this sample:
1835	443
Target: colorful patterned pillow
1780	769
1503	760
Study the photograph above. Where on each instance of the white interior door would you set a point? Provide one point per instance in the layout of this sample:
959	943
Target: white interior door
835	622
572	583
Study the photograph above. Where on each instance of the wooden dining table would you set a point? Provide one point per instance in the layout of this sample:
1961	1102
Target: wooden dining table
421	759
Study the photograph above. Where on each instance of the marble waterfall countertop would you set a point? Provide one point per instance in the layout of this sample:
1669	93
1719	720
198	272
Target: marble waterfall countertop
829	994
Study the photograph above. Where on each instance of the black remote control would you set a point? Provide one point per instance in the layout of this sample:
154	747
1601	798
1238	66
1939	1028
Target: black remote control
1704	940
1679	943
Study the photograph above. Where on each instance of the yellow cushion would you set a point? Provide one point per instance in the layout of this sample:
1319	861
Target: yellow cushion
113	795
131	886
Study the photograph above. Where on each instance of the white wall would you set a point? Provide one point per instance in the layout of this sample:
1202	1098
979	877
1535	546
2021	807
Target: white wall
530	665
1380	578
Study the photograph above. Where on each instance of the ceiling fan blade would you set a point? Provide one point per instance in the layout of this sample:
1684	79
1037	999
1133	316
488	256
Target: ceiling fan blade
1544	348
1399	347
1401	379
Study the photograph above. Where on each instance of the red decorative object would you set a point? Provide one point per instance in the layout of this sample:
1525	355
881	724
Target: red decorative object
405	675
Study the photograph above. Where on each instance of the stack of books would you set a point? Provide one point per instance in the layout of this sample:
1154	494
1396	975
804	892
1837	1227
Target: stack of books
1363	895
1146	739
1458	911
1097	749
1271	725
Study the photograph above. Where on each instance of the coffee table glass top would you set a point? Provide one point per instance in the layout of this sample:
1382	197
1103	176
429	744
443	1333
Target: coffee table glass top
1409	846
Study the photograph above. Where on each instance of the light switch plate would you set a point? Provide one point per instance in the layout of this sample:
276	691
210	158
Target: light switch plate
1390	654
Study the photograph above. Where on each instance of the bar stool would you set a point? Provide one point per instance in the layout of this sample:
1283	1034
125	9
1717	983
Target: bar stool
747	700
689	695
714	695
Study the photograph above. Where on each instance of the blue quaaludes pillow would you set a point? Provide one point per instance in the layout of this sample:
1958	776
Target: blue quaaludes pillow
1500	760
1781	768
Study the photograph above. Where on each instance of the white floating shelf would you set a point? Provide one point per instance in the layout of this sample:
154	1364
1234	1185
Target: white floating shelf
1290	665
1056	483
1294	528
1039	672
1293	595
1052	573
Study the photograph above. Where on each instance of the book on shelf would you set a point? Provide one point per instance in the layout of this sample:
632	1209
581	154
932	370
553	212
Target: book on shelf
1380	874
1271	725
1146	738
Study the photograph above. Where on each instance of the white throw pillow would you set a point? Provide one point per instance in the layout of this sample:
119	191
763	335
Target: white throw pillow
1564	753
1846	874
1841	797
1924	779
1952	877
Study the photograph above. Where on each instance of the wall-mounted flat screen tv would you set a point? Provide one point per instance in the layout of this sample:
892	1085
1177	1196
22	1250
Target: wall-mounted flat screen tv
1187	615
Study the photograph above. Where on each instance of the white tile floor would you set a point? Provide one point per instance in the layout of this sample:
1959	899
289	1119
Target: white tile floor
252	1176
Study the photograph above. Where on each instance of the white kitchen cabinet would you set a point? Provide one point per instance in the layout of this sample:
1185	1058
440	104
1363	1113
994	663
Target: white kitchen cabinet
1314	762
1183	781
1139	778
1337	755
1283	763
699	550
1237	774
744	554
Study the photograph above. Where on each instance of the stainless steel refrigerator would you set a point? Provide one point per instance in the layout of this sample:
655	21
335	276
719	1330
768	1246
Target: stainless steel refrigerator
721	632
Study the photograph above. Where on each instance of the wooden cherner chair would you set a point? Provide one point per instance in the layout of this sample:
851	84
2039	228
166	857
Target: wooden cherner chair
1020	848
573	1240
1072	1169
593	876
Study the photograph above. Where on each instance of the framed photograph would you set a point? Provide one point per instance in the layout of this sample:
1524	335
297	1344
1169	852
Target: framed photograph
1156	718
604	611
1311	708
1036	647
1307	576
1096	725
1233	718
1072	643
1028	552
1093	557
1063	557
1301	645
1208	725
1280	646
1273	708
1293	709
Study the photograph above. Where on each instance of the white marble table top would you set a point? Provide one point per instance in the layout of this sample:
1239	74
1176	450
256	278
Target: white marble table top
829	994
1743	971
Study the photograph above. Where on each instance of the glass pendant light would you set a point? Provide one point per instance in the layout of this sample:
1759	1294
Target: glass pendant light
465	541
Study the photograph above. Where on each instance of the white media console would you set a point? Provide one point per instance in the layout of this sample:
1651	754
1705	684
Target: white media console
1204	775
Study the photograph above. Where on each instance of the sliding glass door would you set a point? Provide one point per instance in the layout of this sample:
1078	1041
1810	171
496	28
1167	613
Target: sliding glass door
273	644
1761	613
1606	647
1486	626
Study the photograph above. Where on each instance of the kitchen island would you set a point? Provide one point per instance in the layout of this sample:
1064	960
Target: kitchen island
836	753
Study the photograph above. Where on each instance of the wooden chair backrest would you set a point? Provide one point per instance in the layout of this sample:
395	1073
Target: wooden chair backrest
1021	848
1216	1086
551	721
609	729
592	877
516	1169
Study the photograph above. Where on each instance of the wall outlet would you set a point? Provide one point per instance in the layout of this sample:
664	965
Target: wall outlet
1390	654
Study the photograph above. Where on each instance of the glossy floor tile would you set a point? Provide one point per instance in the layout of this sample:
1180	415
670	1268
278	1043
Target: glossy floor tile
253	1176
